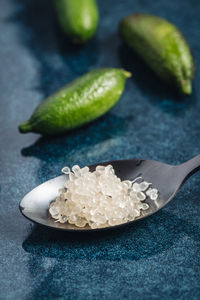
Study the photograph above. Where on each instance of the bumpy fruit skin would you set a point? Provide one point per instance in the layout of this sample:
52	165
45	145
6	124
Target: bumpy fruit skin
162	46
78	103
78	18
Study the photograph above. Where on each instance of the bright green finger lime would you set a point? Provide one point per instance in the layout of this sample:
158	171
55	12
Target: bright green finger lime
78	103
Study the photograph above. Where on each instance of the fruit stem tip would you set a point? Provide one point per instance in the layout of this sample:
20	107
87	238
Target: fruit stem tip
24	127
186	87
126	73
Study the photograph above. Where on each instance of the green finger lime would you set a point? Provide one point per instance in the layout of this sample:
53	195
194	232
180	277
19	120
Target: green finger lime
162	46
78	18
78	103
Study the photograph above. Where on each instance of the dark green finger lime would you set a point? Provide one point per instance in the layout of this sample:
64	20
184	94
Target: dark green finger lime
162	46
78	18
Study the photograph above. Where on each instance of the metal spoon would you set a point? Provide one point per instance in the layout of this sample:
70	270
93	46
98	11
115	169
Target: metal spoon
166	178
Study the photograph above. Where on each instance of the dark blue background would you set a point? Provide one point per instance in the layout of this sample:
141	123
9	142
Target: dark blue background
157	258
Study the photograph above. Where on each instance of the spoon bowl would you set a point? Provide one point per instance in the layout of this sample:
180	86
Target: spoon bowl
167	179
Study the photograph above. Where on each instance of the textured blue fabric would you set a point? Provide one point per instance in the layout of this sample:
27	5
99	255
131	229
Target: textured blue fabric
158	258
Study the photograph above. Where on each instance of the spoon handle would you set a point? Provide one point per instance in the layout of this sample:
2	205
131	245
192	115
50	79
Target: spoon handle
190	167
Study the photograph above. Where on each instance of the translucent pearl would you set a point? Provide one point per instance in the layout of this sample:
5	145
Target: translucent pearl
76	170
100	198
144	206
109	169
136	187
154	196
81	222
55	216
94	225
72	219
140	196
63	219
126	184
84	171
152	193
131	217
144	185
65	170
54	209
100	168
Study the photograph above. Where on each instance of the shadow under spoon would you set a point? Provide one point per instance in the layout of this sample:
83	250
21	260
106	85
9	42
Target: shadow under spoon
168	179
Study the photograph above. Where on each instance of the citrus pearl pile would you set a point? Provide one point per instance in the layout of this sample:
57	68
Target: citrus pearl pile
100	198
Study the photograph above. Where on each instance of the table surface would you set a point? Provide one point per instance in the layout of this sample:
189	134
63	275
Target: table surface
158	258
